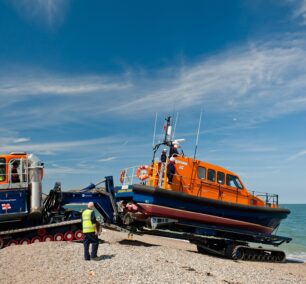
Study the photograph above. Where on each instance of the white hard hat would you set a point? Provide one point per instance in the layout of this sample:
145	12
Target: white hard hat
175	146
164	150
172	159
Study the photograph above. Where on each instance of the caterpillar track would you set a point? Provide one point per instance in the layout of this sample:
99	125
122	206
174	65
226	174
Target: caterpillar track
230	248
63	231
257	254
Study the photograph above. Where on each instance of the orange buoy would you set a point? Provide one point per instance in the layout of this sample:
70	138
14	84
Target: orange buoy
121	177
143	172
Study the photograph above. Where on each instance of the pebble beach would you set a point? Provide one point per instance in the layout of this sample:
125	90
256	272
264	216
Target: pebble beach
144	259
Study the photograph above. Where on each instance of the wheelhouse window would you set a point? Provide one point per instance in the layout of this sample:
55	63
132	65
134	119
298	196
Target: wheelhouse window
2	169
201	172
211	175
15	170
220	177
233	181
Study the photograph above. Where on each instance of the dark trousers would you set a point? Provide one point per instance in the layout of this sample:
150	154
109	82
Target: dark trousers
90	238
170	177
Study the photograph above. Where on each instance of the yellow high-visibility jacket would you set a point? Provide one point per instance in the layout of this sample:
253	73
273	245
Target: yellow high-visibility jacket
88	226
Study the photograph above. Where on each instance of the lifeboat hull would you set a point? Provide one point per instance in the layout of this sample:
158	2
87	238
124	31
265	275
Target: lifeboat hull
181	206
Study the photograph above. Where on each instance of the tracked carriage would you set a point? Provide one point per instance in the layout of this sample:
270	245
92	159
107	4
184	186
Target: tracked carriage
26	218
202	200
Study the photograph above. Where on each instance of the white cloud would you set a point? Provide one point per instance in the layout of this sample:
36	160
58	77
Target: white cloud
22	86
21	140
300	10
297	155
255	82
8	138
252	83
253	148
61	170
50	12
103	160
65	146
36	98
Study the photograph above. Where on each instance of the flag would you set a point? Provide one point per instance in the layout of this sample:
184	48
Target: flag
6	206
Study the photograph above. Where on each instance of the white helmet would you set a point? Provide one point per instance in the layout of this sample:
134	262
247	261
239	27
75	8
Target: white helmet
164	150
172	159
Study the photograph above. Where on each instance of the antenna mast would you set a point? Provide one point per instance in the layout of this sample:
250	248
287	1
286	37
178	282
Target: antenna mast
177	114
168	130
167	137
197	140
195	152
154	132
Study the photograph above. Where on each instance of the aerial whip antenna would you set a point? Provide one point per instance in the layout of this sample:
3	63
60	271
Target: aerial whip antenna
197	140
195	153
177	114
154	132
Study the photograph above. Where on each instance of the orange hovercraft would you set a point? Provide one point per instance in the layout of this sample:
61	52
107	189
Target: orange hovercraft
201	199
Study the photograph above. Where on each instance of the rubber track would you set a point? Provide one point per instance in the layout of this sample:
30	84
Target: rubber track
258	254
60	224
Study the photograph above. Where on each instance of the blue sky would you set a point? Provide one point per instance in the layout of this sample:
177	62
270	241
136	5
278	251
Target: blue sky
81	81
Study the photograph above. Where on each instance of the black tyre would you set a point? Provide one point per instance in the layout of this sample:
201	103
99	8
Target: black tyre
238	253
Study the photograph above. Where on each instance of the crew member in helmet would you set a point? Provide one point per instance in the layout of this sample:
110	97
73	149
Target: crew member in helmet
170	170
163	157
173	150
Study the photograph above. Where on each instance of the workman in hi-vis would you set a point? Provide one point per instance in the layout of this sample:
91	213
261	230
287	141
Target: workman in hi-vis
90	232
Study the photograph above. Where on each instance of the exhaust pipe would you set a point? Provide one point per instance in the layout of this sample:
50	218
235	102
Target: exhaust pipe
35	183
